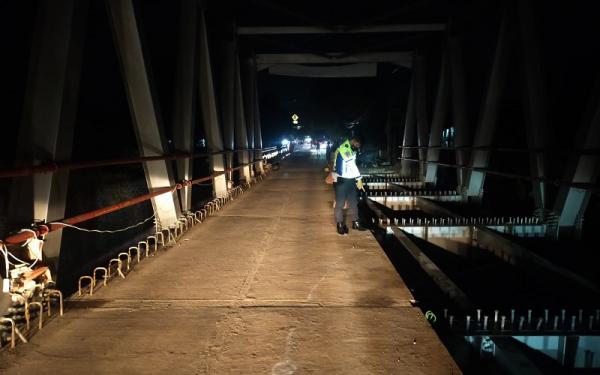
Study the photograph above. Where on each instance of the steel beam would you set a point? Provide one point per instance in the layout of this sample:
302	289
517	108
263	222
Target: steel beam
537	112
227	94
208	104
141	104
46	132
258	143
571	202
248	87
410	124
402	58
241	134
337	71
184	106
460	119
420	73
440	114
488	118
340	29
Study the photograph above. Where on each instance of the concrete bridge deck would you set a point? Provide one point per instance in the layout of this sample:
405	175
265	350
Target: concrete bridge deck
264	287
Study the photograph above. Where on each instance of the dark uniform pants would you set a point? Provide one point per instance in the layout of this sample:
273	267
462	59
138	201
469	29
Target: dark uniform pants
345	190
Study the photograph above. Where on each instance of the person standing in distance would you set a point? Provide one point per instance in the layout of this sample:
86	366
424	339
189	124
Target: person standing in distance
347	179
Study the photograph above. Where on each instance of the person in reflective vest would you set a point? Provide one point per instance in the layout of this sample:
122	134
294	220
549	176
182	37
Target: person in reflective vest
347	179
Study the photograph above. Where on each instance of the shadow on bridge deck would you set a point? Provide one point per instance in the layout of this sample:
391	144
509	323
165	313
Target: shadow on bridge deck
264	287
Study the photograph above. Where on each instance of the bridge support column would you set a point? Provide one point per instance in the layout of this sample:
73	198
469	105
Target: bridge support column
249	77
241	136
46	133
184	107
141	104
228	108
407	167
440	115
420	73
258	143
534	99
488	118
208	105
460	119
571	202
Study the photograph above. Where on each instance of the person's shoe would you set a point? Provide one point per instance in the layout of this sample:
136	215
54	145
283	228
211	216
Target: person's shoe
342	229
356	226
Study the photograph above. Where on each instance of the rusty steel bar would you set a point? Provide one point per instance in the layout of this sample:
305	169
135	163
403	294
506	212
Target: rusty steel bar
44	229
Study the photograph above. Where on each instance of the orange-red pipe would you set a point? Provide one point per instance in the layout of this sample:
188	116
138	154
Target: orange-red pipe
43	229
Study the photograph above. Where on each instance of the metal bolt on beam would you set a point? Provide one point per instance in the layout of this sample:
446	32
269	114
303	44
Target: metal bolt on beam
485	322
468	322
591	323
521	322
545	316
529	317
512	318
502	322
478	316
555	325
573	322
451	321
495	318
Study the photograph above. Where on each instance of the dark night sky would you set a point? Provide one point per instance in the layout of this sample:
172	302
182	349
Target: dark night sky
324	105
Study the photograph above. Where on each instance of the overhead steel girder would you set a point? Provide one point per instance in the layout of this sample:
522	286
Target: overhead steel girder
329	71
340	29
265	60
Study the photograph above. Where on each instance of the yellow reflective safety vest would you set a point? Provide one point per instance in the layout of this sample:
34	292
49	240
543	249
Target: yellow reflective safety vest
344	162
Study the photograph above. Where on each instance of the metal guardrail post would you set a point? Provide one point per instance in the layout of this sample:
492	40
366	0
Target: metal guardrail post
28	316
14	331
119	266
91	284
147	243
105	275
137	252
55	292
128	259
162	238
